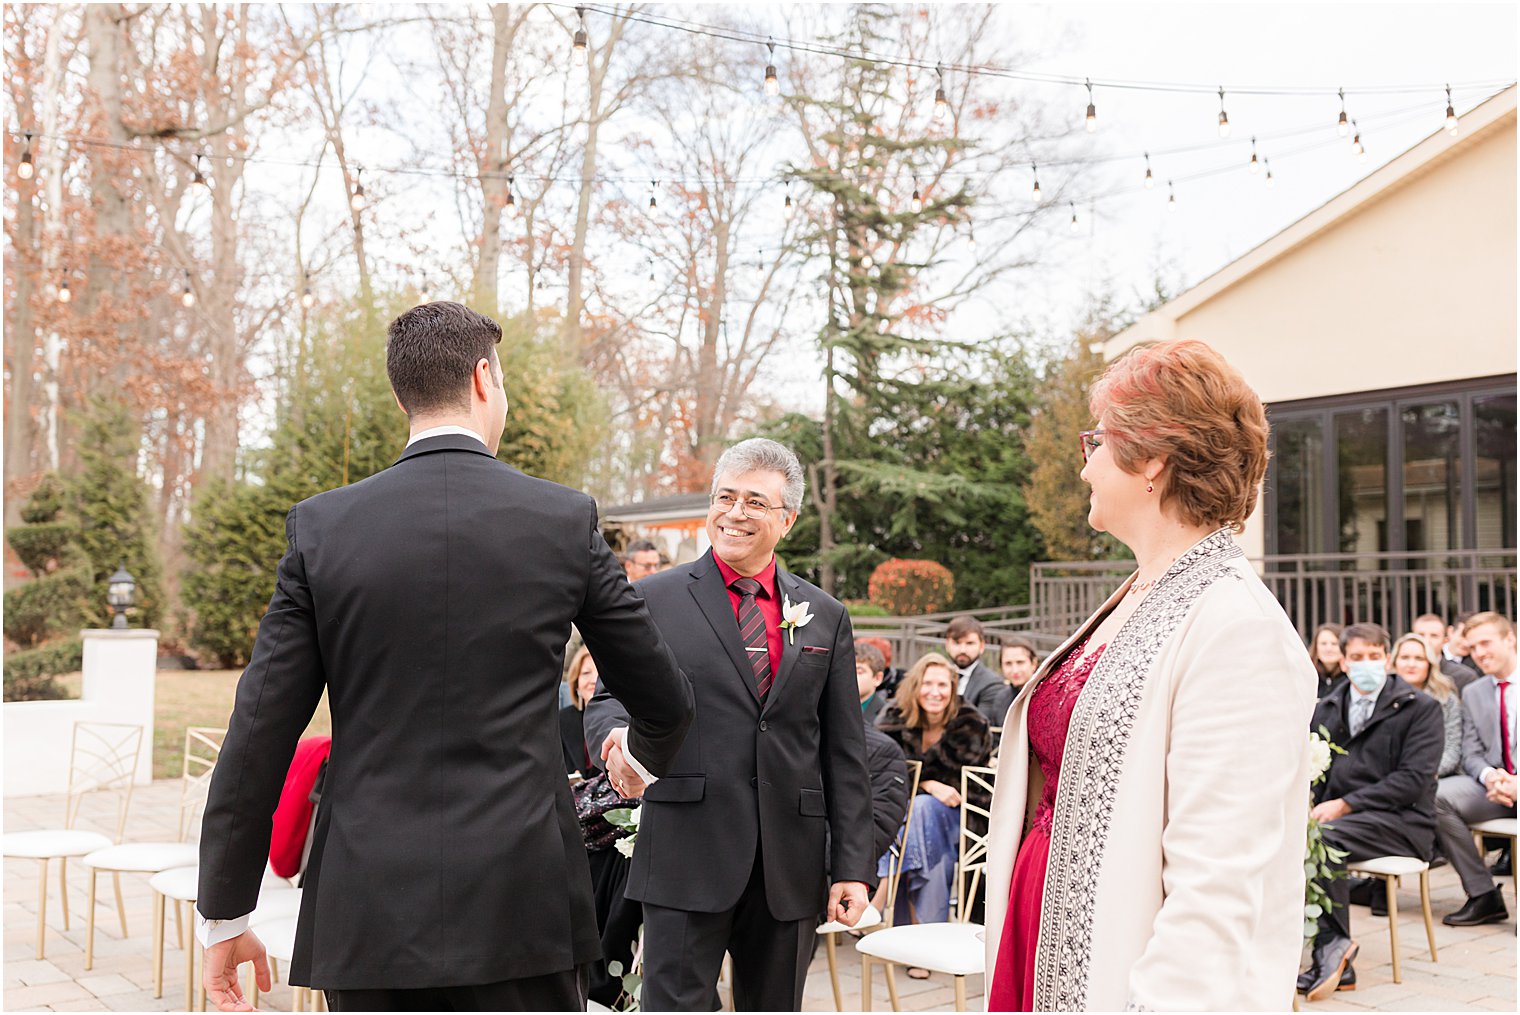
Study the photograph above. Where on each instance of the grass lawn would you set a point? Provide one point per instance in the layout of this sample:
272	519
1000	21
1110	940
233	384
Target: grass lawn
184	698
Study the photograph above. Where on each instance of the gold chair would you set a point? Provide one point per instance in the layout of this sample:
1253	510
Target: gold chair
954	948
102	759
1391	869
872	918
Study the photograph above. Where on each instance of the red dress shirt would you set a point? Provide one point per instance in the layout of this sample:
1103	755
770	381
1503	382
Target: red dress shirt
766	599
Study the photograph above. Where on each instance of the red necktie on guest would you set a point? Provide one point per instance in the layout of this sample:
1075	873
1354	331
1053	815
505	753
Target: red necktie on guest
1509	754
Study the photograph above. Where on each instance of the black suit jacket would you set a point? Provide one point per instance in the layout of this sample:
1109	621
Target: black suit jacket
1389	768
751	776
433	601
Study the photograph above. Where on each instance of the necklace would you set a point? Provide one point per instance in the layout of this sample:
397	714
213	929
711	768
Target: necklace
1140	588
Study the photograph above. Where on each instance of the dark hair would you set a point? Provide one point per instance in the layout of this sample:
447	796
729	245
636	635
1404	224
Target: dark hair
962	626
871	656
639	546
1018	641
431	352
1461	619
1372	634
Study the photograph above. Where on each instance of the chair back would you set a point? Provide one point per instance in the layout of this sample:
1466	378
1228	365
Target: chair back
103	759
972	862
899	848
203	748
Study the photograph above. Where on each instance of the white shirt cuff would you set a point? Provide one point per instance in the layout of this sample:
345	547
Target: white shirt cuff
214	932
1483	777
621	734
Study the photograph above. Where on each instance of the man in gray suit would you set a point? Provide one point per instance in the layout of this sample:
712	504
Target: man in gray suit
1485	788
980	685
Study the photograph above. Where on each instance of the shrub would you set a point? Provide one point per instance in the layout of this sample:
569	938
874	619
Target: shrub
907	588
29	676
863	608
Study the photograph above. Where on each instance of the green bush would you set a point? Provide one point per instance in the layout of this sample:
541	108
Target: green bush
862	608
29	676
46	502
55	603
39	543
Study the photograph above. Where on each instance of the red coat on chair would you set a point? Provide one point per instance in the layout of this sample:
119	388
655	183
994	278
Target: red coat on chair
292	818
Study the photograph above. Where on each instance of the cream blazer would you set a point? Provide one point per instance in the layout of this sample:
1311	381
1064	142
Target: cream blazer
1176	871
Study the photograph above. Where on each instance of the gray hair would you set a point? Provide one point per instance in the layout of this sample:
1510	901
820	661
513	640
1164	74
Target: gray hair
760	454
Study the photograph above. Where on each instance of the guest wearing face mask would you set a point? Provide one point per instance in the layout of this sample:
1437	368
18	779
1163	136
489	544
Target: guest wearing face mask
1377	799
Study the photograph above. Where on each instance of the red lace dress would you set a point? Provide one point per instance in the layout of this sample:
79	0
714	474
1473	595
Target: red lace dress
1050	710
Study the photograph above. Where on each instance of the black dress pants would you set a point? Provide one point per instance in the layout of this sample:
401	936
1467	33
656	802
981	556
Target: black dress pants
1364	835
564	991
683	954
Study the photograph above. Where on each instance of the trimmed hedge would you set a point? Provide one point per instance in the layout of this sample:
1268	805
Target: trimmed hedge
910	588
30	676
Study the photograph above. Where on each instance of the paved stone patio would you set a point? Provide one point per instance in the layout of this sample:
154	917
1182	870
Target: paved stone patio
1476	971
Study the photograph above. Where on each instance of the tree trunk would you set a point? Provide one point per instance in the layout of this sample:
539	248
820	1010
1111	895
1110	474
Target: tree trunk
494	185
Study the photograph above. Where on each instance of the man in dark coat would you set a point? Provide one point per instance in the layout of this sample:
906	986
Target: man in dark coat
1378	799
731	854
432	602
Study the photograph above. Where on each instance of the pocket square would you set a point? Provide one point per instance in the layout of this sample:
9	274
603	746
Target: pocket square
815	649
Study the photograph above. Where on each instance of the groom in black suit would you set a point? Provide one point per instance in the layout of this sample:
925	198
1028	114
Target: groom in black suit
770	789
433	602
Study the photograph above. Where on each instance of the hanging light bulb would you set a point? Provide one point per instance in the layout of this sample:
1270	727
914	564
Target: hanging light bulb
772	82
356	202
1150	181
423	295
1356	140
199	177
788	209
1035	170
652	202
1224	118
941	102
1341	126
1254	165
1092	110
308	299
867	262
1269	181
1451	113
918	202
511	205
25	168
1171	197
578	44
187	298
971	240
1074	224
64	294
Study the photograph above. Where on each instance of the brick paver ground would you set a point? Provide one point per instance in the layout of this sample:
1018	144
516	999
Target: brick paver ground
1476	970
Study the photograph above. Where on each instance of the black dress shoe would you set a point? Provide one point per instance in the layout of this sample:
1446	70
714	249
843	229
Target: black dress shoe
1307	978
1331	959
1480	909
1378	902
1360	893
1504	867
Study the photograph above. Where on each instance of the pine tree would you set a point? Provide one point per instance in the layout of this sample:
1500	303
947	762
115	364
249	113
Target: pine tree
45	614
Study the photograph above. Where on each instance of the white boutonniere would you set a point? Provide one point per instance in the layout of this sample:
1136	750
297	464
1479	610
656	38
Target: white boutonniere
793	616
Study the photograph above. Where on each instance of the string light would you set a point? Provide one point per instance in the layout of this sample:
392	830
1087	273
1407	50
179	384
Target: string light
1451	113
64	293
941	102
511	205
1254	164
918	202
1342	127
357	201
652	202
1171	198
1035	171
1150	181
423	296
1224	118
25	169
772	82
1092	110
199	177
1356	141
970	238
578	44
1268	164
187	298
308	298
788	209
1074	225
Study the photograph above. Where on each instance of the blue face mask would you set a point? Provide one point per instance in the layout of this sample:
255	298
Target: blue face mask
1367	674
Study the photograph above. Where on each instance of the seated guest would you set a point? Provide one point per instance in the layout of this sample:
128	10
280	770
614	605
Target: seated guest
1325	651
1018	661
1433	629
890	677
580	679
870	670
930	723
1457	648
1377	799
641	558
1417	666
977	684
1485	788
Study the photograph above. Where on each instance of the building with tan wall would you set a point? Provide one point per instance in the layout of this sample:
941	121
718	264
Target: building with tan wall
1381	331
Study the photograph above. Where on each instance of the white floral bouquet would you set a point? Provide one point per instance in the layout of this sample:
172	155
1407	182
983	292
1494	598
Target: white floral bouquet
1319	856
627	820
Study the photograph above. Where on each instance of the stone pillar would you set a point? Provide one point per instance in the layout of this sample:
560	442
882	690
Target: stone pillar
120	667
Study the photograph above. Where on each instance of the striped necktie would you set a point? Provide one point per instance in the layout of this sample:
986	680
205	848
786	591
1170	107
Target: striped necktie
752	630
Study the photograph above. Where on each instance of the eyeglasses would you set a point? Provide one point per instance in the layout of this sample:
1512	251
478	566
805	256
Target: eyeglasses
1092	440
753	507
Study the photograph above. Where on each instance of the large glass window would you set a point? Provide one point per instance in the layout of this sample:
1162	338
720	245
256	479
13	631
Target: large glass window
1300	465
1432	475
1494	470
1361	443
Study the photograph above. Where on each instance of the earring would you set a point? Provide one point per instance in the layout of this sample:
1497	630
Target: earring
1149	488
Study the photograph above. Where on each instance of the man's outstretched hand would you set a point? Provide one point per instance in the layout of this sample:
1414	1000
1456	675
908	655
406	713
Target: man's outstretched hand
848	901
624	779
220	973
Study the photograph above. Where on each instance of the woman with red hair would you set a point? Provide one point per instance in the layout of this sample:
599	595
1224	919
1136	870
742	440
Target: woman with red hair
1153	786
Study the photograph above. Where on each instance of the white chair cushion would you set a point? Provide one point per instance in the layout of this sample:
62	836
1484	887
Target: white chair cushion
275	904
870	918
279	937
596	1006
145	857
1399	865
53	842
1495	826
180	883
954	948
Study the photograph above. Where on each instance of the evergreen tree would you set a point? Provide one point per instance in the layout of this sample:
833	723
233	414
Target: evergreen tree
45	614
